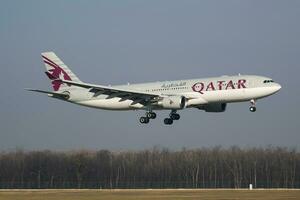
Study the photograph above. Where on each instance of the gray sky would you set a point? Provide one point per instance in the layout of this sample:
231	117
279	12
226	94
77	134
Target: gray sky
115	42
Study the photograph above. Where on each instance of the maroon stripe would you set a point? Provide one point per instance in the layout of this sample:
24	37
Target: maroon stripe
50	61
53	65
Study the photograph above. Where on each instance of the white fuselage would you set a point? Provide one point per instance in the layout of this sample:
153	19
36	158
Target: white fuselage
223	89
208	94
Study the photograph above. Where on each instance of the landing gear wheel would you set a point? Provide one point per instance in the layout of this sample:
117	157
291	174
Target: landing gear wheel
252	109
144	120
168	121
174	116
151	115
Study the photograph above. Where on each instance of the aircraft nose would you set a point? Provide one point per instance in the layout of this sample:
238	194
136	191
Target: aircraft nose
277	87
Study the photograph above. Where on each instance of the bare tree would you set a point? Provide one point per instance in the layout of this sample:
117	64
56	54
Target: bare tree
154	168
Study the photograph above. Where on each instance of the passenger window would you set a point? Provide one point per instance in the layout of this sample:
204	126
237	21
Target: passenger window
268	81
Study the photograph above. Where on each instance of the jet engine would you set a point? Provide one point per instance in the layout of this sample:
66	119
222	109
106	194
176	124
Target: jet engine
215	107
173	102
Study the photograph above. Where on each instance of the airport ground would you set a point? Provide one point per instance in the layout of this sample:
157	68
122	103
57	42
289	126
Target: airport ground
141	194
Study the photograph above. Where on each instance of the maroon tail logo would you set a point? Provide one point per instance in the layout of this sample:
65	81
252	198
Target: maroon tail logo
55	74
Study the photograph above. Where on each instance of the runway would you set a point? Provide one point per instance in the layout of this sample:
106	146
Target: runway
141	194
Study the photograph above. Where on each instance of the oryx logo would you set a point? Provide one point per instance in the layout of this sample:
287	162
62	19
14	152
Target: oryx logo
56	73
198	87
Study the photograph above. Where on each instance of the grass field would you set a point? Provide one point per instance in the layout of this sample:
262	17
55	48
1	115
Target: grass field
148	194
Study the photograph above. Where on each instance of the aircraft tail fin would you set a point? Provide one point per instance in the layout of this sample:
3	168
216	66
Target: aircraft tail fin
56	70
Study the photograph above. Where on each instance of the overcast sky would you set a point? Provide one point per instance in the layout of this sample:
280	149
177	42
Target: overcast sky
115	42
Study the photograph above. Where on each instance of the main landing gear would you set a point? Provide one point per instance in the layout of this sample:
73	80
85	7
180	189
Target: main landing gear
149	115
252	107
172	116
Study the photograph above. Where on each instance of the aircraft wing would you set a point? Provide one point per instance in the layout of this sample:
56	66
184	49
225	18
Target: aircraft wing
124	94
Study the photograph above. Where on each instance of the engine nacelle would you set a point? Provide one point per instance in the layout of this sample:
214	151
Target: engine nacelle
173	102
214	107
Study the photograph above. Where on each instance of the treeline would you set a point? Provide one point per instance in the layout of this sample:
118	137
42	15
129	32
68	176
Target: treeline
156	168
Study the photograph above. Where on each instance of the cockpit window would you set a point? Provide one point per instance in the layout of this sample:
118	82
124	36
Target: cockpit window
268	81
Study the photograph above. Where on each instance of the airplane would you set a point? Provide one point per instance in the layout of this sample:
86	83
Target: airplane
208	94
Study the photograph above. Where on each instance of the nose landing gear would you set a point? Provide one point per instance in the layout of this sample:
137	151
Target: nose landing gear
253	106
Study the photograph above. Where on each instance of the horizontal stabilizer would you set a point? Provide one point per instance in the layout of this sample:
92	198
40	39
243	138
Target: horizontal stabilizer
52	94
